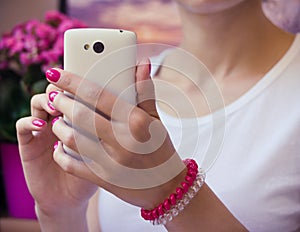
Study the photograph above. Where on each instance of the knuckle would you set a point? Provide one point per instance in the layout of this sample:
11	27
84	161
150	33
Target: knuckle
19	123
66	81
50	88
67	165
92	93
137	122
34	99
79	112
69	138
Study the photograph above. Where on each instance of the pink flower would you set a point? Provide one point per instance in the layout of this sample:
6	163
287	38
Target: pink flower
25	59
36	43
30	26
54	17
16	48
30	43
59	45
43	44
7	42
50	56
44	31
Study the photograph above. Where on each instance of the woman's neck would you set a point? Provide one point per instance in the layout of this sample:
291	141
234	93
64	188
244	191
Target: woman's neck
234	39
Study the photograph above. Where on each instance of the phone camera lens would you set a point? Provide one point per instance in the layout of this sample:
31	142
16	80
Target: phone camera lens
98	47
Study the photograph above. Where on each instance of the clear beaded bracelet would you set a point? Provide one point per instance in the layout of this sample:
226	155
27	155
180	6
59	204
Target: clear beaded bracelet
177	201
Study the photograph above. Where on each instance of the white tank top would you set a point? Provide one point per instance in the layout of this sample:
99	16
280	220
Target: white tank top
257	170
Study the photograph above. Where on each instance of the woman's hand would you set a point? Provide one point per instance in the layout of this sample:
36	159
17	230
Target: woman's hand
56	192
126	147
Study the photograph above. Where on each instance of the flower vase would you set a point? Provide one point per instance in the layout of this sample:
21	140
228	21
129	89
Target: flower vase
19	202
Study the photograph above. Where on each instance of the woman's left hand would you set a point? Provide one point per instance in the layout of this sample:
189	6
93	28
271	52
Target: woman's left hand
126	147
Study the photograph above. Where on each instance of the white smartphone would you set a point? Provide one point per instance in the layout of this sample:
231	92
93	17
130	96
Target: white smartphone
104	56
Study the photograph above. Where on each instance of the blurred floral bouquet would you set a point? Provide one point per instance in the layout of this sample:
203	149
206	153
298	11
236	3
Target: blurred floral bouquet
25	54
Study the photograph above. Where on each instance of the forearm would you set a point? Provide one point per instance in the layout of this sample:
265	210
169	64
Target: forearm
72	220
207	212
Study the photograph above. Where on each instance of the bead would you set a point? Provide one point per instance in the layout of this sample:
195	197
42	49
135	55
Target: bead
147	216
192	174
195	188
164	221
179	193
180	206
150	216
172	199
177	201
144	214
192	164
174	212
160	210
169	217
185	187
166	204
185	200
191	193
154	213
187	161
189	180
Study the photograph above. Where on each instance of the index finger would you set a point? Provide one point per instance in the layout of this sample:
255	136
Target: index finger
88	92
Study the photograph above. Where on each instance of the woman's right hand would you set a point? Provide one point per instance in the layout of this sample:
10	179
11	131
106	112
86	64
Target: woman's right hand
57	194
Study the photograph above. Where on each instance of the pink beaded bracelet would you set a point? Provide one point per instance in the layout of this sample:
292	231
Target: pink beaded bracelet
178	200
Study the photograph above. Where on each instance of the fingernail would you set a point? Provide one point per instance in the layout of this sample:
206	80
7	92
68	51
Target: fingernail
55	145
39	122
146	62
51	106
52	75
52	95
55	119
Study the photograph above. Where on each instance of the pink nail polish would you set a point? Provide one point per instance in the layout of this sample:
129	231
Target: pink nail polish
51	106
53	75
55	145
38	122
55	119
52	95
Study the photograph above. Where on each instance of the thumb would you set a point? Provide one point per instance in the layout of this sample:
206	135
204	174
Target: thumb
145	88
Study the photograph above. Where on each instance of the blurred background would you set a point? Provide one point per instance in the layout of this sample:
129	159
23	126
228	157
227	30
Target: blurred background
153	21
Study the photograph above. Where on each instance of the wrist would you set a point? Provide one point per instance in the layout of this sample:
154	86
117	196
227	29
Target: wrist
161	192
62	219
172	205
